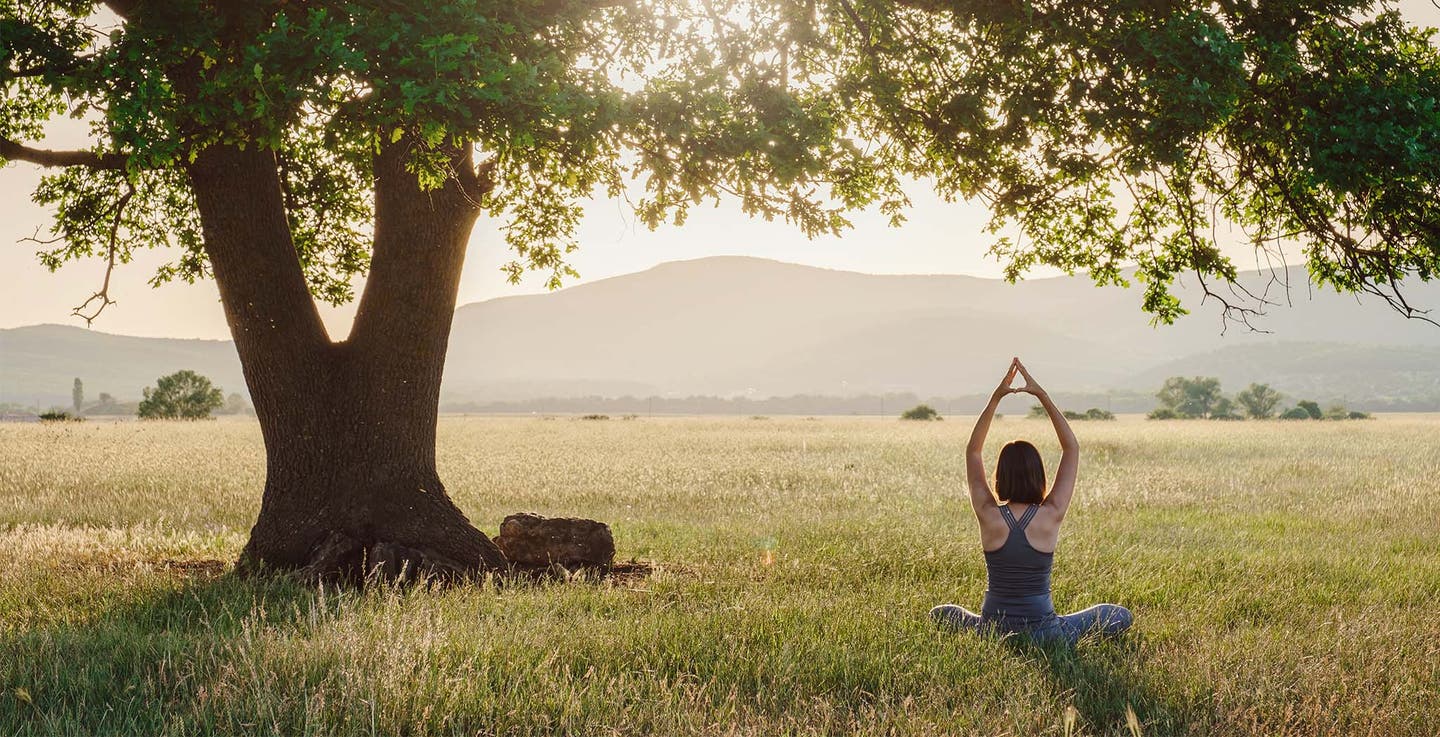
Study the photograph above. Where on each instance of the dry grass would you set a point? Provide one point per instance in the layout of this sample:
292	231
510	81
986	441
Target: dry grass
1284	577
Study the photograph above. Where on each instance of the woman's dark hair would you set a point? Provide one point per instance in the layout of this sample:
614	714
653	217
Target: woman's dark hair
1020	474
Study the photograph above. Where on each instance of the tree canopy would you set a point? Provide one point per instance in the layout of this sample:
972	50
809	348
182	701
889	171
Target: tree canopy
1101	135
560	98
1123	133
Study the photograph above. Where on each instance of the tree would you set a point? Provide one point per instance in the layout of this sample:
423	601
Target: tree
107	405
235	404
183	395
1259	401
283	148
920	412
77	395
1296	413
1113	134
1190	397
1312	409
1224	409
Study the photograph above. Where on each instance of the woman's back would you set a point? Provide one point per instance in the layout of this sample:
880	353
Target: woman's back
1018	575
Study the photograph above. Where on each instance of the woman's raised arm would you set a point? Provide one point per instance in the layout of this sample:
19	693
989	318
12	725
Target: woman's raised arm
981	497
1064	487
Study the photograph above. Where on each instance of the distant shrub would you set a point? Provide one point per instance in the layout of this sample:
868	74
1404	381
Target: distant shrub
1037	411
629	417
1338	412
759	417
594	417
1163	413
920	412
1311	408
1094	413
1295	413
59	415
235	405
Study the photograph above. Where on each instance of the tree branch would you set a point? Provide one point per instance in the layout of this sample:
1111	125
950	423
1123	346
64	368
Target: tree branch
13	151
104	294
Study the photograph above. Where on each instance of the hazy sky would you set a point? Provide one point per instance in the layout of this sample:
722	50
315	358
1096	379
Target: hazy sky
940	238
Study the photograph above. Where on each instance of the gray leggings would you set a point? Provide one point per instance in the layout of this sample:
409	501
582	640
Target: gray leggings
1102	619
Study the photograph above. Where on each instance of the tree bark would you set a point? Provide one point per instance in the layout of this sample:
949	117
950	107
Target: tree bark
349	428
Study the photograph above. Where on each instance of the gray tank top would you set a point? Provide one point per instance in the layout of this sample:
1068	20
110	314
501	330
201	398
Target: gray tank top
1018	576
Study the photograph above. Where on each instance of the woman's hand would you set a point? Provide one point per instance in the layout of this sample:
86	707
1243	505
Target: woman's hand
981	498
1031	385
1005	387
1064	487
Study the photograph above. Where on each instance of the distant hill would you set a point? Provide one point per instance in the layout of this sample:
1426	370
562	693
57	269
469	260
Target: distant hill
737	325
745	326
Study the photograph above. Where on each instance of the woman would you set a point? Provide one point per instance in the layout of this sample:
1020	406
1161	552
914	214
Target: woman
1019	534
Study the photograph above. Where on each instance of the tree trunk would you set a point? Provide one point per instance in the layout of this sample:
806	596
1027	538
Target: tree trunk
358	493
349	428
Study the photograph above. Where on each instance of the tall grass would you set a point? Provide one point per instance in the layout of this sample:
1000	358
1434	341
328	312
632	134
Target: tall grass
1284	578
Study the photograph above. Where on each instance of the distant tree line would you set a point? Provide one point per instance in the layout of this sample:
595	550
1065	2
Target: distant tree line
886	405
1200	397
1037	412
1205	400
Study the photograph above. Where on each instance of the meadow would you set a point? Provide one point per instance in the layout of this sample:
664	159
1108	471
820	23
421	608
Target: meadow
1284	576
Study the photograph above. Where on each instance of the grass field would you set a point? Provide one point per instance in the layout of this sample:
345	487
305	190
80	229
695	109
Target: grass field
1285	579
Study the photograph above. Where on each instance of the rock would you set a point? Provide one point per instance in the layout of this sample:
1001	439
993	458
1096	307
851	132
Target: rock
532	540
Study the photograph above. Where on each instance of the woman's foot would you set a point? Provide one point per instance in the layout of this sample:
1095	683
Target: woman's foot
954	616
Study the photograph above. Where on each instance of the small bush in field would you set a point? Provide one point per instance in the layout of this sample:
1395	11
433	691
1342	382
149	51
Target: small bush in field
923	412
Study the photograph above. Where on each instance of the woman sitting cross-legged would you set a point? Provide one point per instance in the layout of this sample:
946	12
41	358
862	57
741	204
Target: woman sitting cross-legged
1019	534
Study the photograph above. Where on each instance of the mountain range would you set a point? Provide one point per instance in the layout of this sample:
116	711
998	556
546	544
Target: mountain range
742	326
